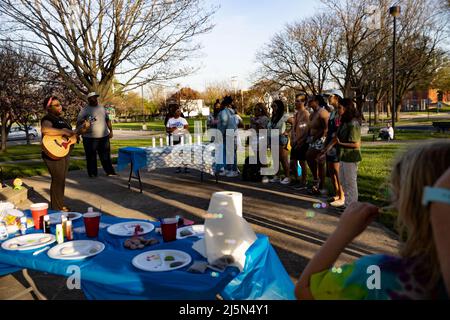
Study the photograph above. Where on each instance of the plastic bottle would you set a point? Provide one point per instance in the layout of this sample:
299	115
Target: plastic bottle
64	222
59	233
3	231
46	226
299	169
69	231
23	225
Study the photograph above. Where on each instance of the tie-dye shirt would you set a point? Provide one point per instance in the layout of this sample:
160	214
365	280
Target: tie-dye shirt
375	277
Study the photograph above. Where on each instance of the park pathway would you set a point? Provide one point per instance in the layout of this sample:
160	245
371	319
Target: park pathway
274	210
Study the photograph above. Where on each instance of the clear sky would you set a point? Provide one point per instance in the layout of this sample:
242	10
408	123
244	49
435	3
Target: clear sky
241	29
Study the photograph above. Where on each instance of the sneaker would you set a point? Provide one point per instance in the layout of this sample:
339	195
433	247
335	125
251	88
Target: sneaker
112	174
232	174
178	170
186	170
265	179
275	179
286	180
337	203
223	172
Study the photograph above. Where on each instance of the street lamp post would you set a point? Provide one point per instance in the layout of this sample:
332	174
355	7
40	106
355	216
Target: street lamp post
394	12
144	126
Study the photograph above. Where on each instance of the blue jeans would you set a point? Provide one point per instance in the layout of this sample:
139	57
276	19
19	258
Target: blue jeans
233	165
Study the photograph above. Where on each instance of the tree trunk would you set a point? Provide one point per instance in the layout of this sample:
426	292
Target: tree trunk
360	106
4	134
26	133
388	110
376	111
397	112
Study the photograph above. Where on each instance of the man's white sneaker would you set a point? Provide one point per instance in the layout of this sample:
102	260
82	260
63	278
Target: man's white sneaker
275	179
286	180
265	179
233	174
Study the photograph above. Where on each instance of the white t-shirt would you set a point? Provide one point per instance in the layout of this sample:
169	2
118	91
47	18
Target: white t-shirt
238	119
178	123
391	132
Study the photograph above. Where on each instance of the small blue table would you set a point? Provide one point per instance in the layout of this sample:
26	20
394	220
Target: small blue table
200	157
110	274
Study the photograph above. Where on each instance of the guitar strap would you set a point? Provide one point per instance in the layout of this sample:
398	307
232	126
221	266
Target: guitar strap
58	119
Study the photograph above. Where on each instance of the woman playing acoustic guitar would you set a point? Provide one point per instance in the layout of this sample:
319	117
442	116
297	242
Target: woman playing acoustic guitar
52	124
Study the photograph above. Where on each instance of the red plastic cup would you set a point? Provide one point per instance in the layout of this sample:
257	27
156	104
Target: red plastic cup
92	223
169	229
38	211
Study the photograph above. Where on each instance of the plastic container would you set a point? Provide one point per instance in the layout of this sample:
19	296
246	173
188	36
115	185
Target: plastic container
46	224
299	169
59	234
3	231
92	222
69	231
64	222
23	225
169	229
38	211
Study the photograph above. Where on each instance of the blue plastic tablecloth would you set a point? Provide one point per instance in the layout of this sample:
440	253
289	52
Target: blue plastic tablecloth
110	274
128	155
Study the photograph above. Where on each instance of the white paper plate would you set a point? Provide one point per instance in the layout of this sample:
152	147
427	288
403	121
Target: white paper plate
55	218
29	241
127	228
197	230
159	264
76	250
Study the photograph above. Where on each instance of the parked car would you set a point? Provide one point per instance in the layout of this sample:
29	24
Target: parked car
18	133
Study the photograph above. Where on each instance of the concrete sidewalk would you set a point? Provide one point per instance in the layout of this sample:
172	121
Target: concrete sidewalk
272	209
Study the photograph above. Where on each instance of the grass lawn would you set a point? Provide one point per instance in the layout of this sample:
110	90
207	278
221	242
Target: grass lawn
407	135
373	176
26	152
373	172
158	125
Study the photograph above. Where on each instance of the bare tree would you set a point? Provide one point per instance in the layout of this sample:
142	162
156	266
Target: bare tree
300	57
356	44
20	80
26	97
186	98
215	90
140	41
419	55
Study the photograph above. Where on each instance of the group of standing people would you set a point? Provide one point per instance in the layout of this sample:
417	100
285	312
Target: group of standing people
323	137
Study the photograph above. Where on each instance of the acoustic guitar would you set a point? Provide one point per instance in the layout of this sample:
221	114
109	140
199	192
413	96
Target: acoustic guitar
57	147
